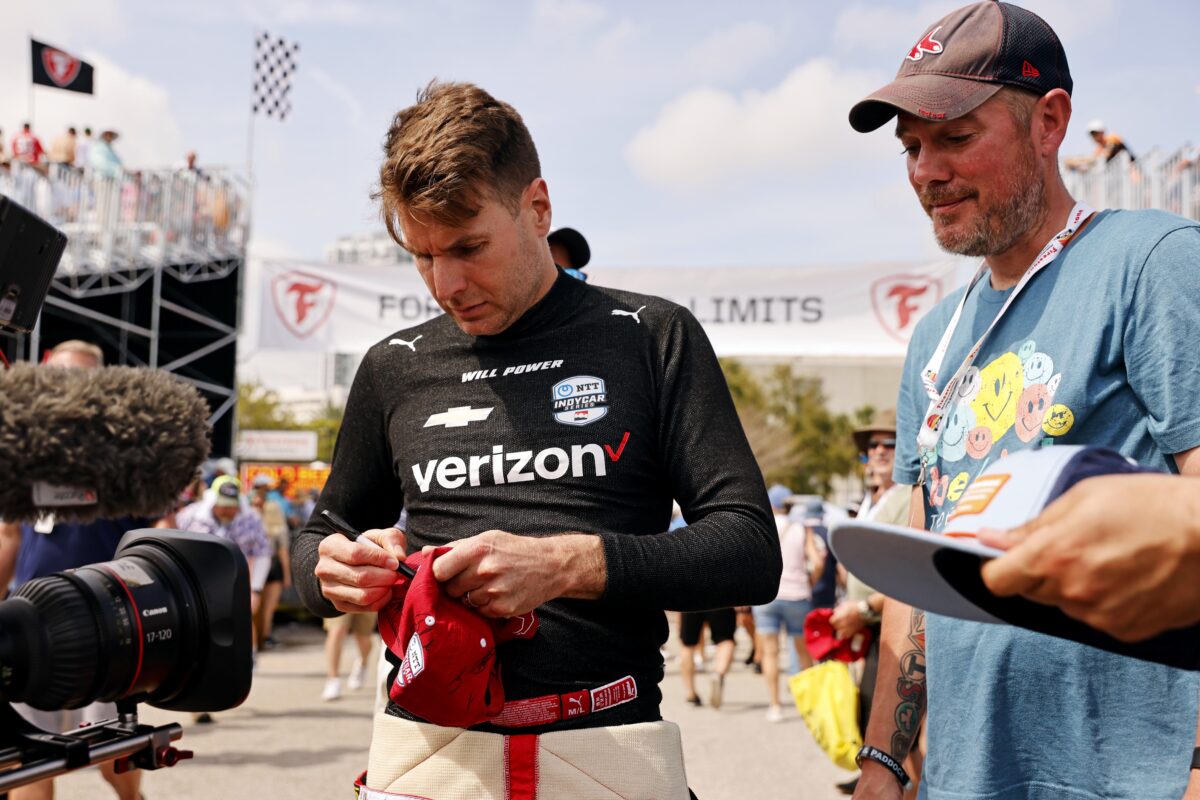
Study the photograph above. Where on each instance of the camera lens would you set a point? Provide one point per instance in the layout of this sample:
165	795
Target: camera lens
152	625
102	632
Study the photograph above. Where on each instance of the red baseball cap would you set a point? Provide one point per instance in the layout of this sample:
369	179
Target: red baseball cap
822	641
449	674
963	59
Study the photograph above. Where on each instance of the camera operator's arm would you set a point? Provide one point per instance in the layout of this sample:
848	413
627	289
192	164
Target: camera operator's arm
10	545
332	573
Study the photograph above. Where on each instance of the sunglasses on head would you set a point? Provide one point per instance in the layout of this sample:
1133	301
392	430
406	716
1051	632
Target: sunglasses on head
888	443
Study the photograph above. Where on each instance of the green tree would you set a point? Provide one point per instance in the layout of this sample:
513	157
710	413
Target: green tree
326	423
260	409
796	439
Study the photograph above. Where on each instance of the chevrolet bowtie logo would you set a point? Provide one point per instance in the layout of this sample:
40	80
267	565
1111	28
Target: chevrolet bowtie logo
459	417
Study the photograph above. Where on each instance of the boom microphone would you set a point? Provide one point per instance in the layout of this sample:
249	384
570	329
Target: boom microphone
105	442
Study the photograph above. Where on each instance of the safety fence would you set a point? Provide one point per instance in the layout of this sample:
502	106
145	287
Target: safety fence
1157	179
138	219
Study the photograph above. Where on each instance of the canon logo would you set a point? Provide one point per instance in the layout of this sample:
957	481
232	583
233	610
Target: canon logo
500	467
153	612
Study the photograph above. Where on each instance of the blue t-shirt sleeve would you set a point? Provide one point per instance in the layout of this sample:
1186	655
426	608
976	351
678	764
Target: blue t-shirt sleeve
911	403
1161	355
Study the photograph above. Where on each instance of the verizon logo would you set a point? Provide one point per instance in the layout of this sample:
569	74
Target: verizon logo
499	467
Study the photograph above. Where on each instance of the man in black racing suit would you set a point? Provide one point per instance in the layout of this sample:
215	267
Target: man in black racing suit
542	427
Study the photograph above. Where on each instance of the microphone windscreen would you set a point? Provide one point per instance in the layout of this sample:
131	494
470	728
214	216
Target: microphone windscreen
134	437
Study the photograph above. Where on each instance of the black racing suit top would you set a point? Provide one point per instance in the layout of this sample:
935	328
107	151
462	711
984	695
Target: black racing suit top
590	413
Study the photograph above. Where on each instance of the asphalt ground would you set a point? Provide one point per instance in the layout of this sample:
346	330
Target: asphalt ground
285	742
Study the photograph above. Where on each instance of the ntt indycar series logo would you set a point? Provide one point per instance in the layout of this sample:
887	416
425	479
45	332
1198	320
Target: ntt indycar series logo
580	400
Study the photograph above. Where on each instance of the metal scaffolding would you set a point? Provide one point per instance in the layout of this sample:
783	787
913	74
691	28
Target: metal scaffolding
152	266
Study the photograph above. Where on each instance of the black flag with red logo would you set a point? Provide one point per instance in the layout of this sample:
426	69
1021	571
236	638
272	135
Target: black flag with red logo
53	67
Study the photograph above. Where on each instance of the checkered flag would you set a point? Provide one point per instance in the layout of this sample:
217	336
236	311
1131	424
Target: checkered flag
274	65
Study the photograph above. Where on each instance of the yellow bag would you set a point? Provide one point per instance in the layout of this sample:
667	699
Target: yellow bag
827	699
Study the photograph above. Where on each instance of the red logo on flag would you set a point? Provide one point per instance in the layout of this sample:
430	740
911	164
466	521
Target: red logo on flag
900	300
928	44
62	68
1030	71
303	302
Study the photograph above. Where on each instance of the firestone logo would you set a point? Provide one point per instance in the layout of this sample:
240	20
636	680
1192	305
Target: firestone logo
62	68
900	301
303	302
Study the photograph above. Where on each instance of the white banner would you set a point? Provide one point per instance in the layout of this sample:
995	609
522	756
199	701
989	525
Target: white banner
277	445
836	311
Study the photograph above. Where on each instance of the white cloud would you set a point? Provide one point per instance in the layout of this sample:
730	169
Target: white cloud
885	28
342	13
728	53
354	107
566	17
135	106
620	38
1072	26
265	247
65	24
709	137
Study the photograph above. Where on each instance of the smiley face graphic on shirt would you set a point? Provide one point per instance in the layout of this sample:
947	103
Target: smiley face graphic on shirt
1059	420
1031	411
1039	367
954	437
968	386
1000	385
979	441
957	486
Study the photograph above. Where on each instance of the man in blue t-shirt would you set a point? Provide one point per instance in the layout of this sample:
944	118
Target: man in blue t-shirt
1084	325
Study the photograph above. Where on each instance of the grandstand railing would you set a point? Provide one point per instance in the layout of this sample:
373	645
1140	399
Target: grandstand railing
1165	180
141	219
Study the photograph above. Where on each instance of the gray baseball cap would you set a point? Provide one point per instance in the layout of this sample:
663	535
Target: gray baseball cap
963	59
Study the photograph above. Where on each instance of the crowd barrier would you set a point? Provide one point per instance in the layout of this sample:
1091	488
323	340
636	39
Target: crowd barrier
1156	179
139	219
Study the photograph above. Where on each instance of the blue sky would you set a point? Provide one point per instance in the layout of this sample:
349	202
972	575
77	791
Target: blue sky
697	133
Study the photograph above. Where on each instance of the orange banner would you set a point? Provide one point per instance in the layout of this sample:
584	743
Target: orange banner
301	477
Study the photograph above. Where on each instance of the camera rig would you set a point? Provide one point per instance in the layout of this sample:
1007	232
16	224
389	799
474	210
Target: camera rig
28	753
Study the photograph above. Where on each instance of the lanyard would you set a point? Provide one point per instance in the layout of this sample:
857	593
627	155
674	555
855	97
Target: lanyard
935	414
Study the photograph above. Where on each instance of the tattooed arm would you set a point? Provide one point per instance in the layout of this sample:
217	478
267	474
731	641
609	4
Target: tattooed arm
899	705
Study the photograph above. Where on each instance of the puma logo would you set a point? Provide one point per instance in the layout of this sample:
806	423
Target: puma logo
619	313
410	345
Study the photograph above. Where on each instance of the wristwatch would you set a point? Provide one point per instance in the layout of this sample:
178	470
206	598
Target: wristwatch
1196	758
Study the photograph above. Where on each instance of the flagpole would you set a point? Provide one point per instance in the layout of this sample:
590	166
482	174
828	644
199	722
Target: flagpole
250	143
31	125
